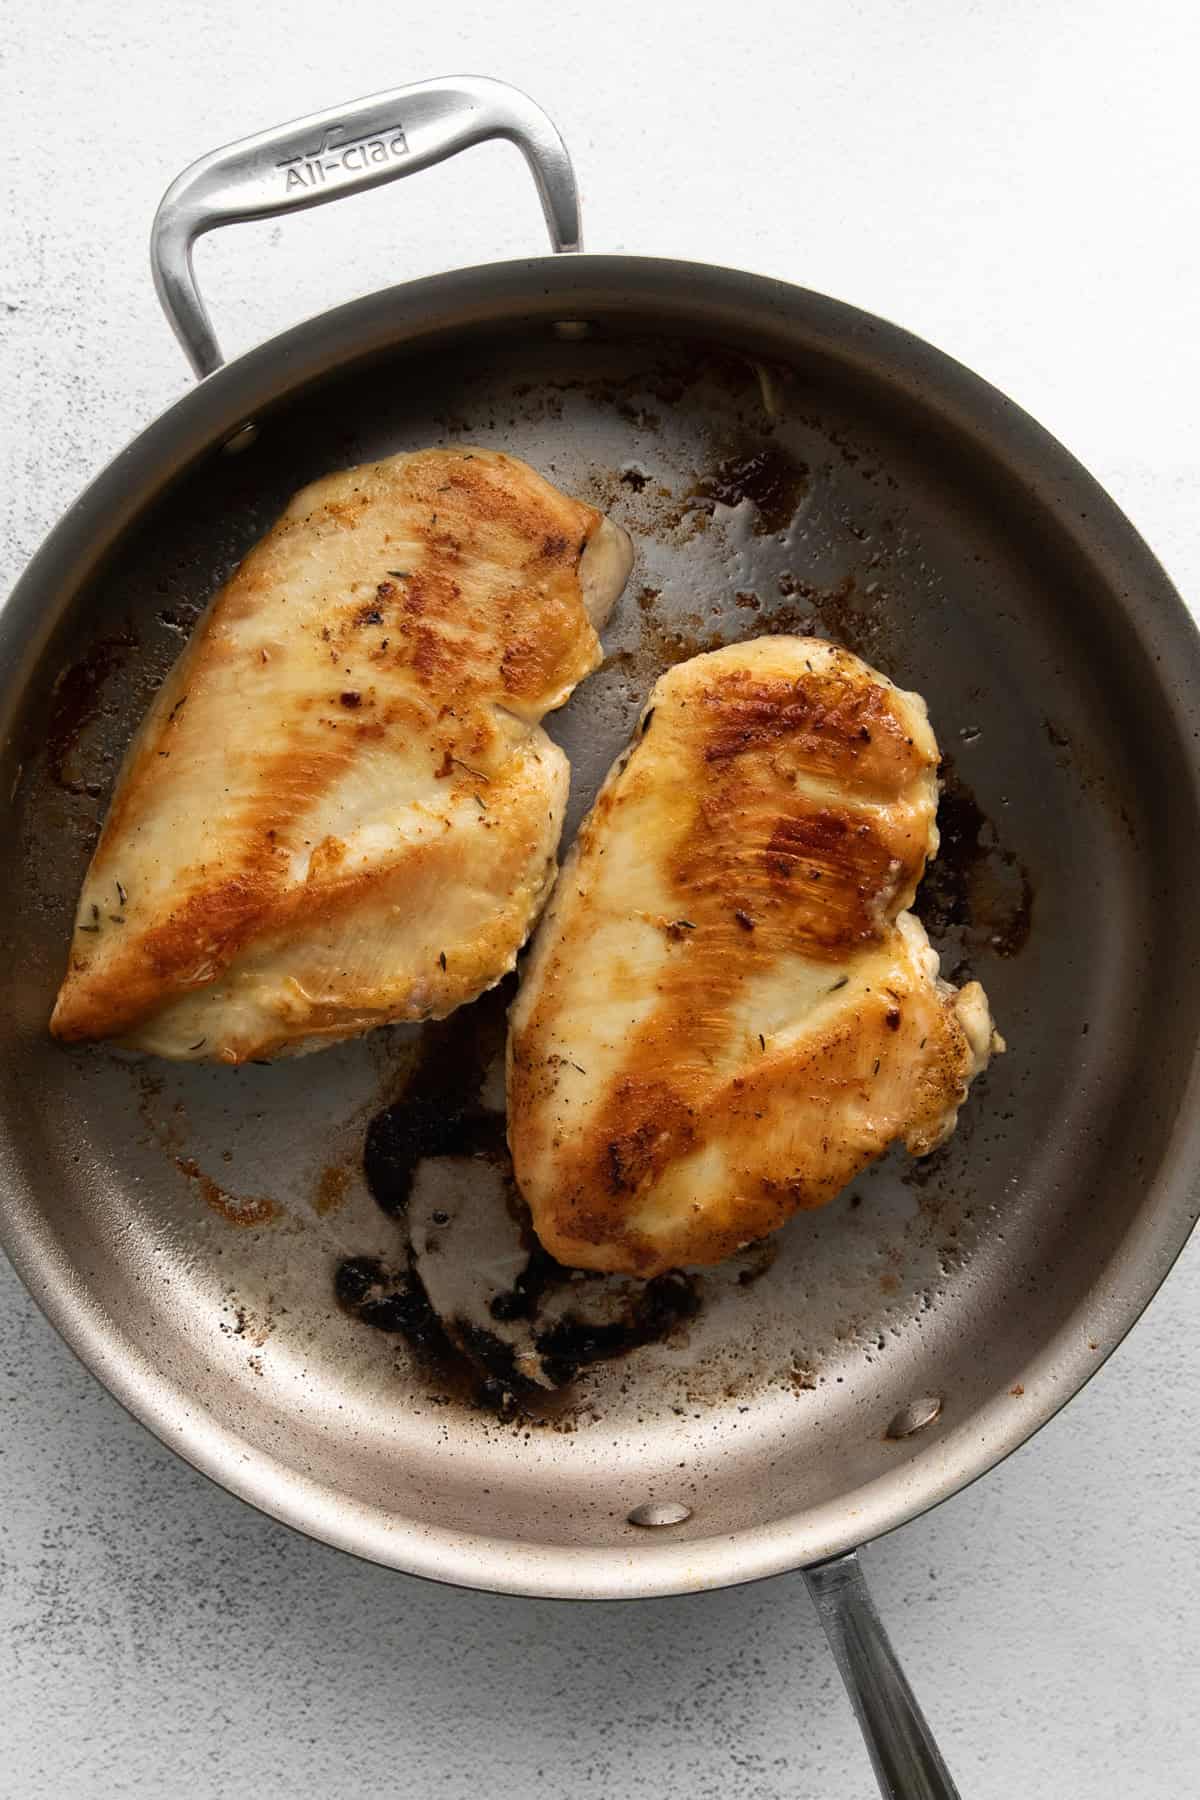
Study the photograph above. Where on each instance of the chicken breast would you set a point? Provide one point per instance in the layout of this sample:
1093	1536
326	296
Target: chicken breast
341	809
727	1012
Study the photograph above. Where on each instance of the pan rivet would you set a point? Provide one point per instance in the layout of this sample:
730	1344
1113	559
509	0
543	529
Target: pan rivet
242	438
660	1512
915	1416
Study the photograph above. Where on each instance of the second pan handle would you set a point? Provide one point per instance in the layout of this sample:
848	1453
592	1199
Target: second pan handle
908	1764
343	151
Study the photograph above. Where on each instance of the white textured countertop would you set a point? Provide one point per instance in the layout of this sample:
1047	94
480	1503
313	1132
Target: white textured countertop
1016	183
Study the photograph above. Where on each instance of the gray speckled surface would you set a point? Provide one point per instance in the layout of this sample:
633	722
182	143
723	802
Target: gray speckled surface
1016	186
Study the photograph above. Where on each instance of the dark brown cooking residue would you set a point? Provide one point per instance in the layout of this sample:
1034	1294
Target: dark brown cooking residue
654	1311
74	703
772	479
857	615
976	895
391	1300
441	1113
479	1356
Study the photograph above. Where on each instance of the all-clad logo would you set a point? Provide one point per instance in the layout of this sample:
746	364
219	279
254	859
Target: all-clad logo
333	157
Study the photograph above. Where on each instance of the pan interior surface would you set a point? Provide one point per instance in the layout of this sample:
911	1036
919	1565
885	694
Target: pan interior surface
197	1216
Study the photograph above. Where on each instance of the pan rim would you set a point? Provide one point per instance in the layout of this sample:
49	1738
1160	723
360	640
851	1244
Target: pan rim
537	290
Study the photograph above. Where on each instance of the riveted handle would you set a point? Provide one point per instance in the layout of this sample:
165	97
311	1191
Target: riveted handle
908	1764
344	151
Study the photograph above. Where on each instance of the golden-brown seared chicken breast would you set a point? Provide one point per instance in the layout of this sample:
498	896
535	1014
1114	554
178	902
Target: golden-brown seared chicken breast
341	809
727	1011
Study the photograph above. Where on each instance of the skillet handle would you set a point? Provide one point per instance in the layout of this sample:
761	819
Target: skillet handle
907	1762
344	151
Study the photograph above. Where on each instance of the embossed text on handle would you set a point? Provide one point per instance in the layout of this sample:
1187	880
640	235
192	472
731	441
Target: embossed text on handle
331	157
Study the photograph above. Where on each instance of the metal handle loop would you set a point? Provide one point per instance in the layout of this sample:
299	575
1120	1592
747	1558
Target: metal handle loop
343	151
907	1762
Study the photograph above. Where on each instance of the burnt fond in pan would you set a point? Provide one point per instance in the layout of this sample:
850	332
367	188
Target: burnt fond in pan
784	464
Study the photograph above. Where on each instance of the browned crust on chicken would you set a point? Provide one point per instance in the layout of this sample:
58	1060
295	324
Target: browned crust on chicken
413	619
782	796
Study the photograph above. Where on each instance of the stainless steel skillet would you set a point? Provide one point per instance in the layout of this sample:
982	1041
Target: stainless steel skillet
783	462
